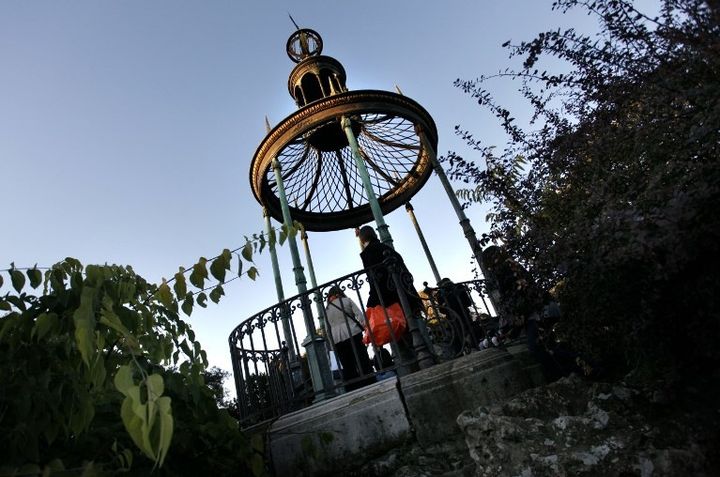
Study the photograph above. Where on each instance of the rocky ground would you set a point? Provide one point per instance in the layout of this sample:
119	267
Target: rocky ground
575	427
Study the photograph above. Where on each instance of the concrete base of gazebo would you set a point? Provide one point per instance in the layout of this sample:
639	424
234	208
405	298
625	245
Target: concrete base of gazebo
348	430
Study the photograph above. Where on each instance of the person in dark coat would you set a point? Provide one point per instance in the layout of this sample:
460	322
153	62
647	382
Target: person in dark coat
456	302
521	300
522	304
382	285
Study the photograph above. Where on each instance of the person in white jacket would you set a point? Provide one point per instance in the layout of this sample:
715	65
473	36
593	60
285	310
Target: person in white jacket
346	323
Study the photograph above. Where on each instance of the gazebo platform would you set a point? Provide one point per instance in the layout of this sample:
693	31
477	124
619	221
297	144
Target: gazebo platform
344	432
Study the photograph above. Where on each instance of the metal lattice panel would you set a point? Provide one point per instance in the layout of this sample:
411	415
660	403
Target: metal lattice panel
321	179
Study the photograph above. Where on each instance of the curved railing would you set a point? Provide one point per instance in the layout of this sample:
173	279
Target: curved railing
269	350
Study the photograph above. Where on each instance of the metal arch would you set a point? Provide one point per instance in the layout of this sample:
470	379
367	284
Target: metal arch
387	106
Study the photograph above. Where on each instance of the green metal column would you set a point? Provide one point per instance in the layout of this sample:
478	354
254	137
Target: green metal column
365	177
284	315
464	221
315	345
313	280
421	236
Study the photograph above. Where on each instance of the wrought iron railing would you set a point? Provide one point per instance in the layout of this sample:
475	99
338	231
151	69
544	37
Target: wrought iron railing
274	376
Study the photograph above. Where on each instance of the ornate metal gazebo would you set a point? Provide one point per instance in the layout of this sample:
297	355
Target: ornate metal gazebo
343	159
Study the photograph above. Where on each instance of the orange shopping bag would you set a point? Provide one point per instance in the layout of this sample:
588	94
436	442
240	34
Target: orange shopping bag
379	327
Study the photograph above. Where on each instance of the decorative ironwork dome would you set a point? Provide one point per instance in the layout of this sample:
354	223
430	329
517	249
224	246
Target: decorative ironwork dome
322	182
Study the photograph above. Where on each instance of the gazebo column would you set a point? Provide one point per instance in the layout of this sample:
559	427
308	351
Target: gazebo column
365	177
313	280
284	314
421	236
315	345
464	221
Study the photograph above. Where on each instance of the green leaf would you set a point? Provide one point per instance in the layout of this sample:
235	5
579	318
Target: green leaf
94	275
44	324
17	279
126	291
263	243
17	302
202	299
133	414
155	386
166	424
164	294
247	252
98	373
109	318
217	269
128	458
187	305
186	349
227	256
180	285
199	273
1	281
294	229
240	266
216	293
35	277
83	415
84	319
252	273
123	379
272	238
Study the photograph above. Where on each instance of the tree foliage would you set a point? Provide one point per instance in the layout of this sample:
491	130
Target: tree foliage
101	373
611	194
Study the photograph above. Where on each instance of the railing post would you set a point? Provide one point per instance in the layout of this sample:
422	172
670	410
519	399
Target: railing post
315	345
424	357
237	374
365	177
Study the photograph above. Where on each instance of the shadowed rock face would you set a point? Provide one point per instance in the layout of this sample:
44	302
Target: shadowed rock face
573	427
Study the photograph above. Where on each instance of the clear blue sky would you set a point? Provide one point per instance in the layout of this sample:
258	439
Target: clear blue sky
127	127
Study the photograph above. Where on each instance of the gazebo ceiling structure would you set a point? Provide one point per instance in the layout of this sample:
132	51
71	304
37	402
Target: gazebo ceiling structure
322	182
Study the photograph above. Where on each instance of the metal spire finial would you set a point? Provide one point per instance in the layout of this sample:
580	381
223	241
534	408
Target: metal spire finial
297	27
303	43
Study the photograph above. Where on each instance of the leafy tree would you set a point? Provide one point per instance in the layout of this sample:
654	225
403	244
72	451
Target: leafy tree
611	193
214	379
101	374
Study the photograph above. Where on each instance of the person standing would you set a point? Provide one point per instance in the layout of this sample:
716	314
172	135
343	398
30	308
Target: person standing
382	286
346	326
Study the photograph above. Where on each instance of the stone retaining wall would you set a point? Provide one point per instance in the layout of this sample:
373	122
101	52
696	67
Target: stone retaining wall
348	430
